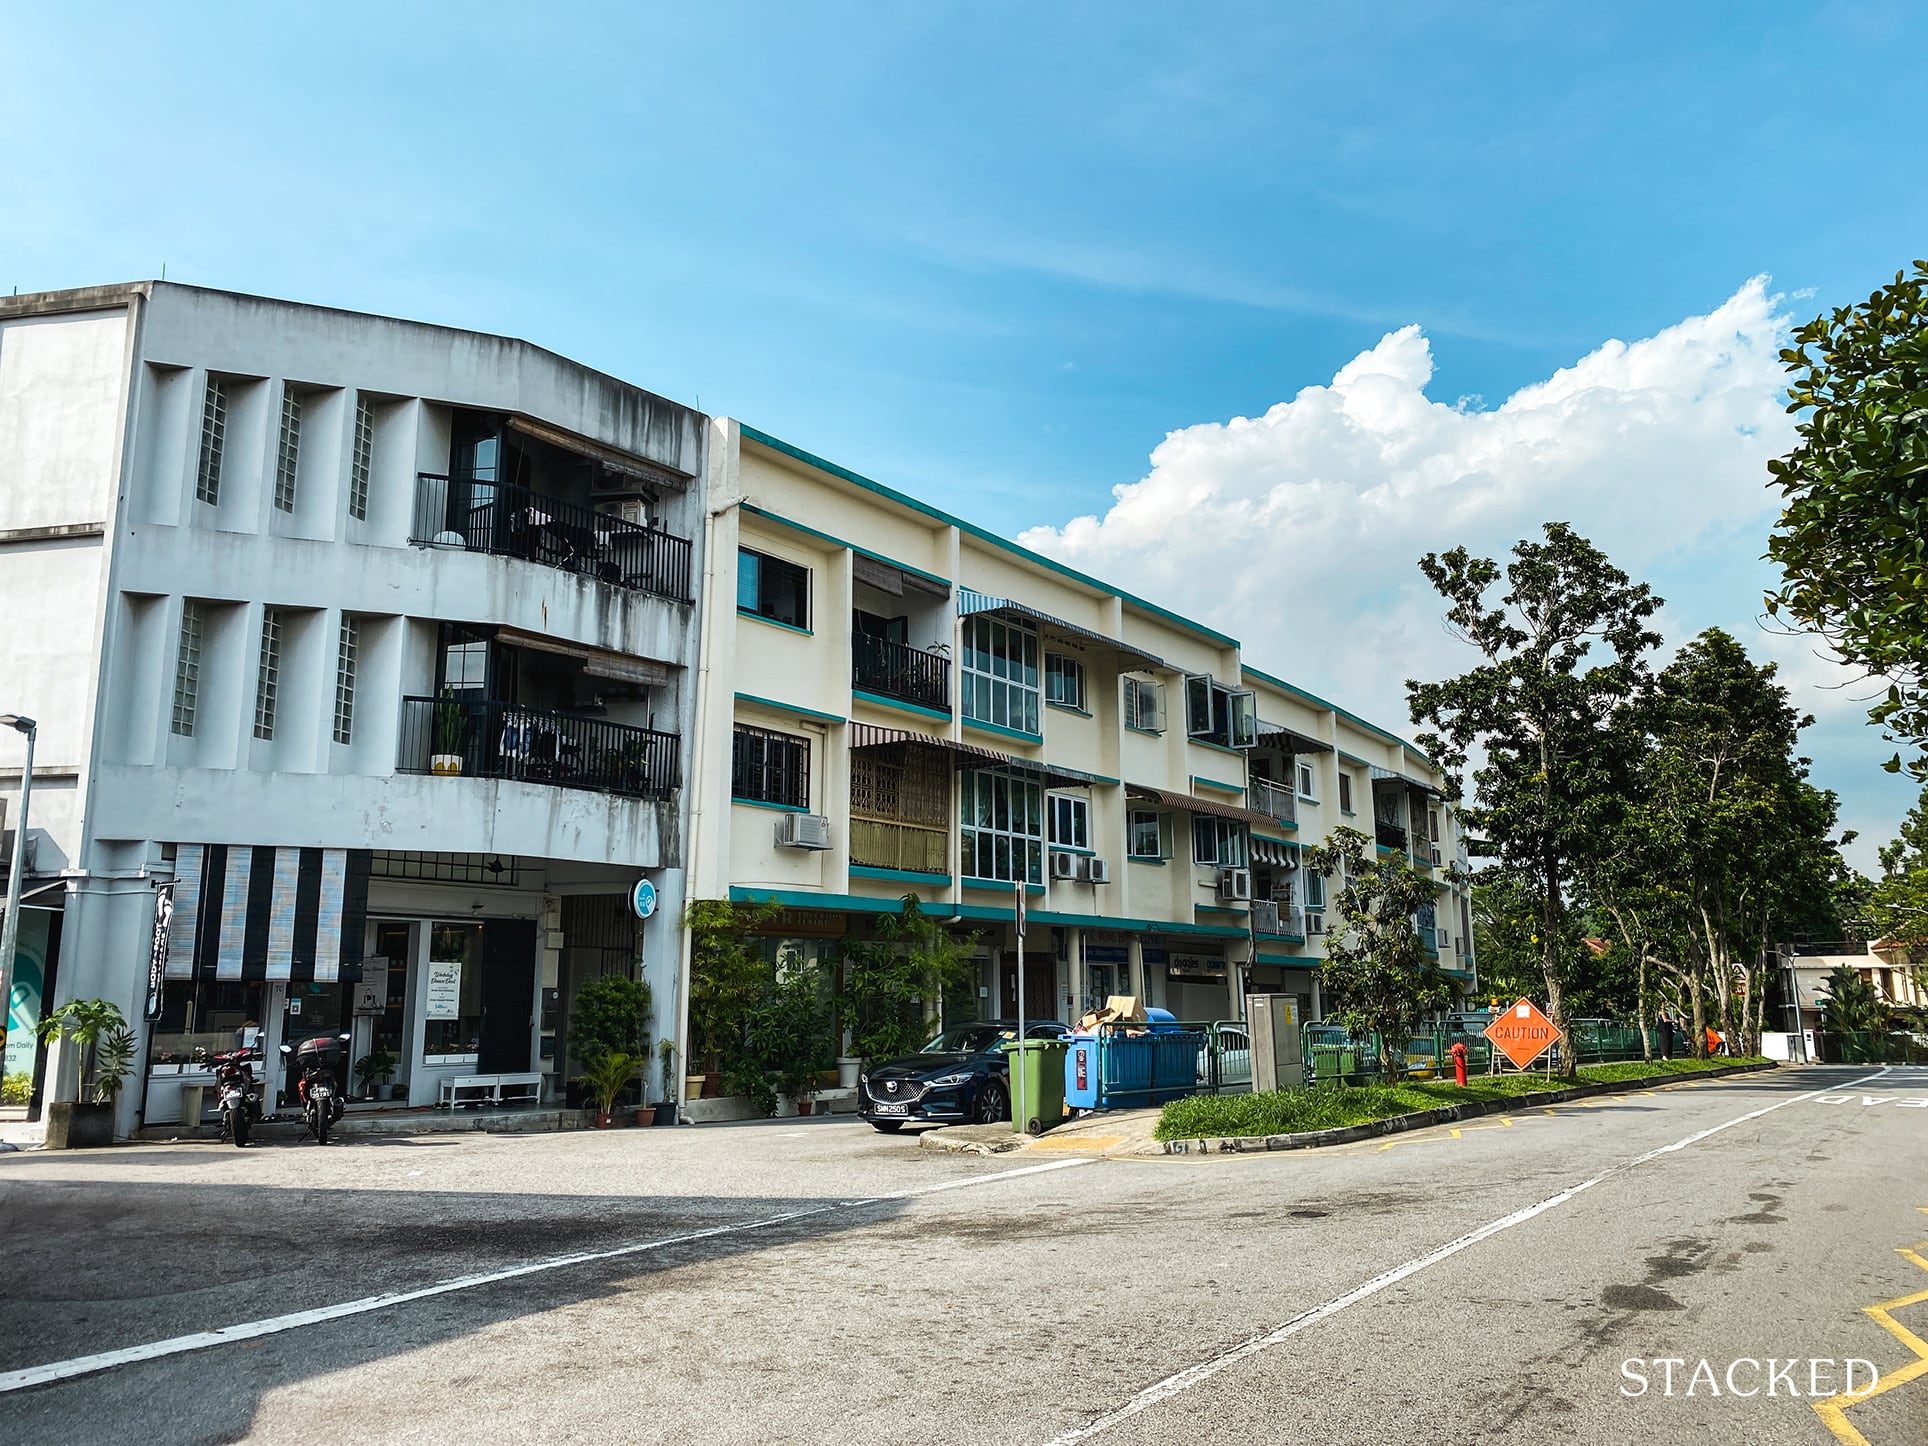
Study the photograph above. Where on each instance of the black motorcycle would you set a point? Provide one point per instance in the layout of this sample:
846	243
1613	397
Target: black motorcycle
239	1101
321	1102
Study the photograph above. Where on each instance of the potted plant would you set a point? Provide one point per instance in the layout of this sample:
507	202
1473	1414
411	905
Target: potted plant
666	1109
451	732
107	1047
645	1111
372	1069
612	1072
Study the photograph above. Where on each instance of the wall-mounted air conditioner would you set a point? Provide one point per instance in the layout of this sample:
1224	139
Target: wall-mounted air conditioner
1235	884
803	831
1064	866
1094	871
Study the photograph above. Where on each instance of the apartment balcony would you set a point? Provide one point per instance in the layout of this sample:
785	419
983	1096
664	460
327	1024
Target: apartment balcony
1281	921
877	843
508	521
1390	835
1272	799
534	745
899	671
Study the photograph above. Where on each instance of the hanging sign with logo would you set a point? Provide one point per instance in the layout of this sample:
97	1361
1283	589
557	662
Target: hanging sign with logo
157	956
444	997
642	899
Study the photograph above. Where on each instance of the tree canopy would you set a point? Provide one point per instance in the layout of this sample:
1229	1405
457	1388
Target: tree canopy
1852	540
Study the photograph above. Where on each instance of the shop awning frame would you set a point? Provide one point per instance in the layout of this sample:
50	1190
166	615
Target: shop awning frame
964	755
1145	793
970	602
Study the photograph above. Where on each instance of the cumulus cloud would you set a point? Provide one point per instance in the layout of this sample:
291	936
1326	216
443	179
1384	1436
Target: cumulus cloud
1298	531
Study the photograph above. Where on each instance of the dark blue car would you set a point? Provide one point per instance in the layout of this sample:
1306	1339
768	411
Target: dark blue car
962	1076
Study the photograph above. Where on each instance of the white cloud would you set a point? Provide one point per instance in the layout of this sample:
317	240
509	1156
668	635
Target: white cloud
1298	531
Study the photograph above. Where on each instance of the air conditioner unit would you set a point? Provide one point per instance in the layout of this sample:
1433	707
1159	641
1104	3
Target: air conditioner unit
1235	884
1064	866
1094	871
1314	924
803	831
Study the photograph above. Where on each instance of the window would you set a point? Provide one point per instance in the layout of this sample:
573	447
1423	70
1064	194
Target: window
1070	821
287	452
771	588
1002	818
361	460
452	1023
1345	791
999	674
1219	841
1144	705
345	658
1308	781
267	677
1314	888
1148	834
1432	824
1064	681
768	767
1214	713
214	435
187	669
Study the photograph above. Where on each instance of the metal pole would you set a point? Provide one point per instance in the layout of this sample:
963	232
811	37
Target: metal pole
1017	1070
10	930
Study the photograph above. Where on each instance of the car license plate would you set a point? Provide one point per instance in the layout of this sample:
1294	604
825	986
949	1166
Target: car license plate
890	1109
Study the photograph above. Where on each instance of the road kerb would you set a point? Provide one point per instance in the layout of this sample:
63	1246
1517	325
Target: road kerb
1444	1115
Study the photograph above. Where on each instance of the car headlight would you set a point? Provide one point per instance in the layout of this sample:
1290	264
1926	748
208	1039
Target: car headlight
950	1081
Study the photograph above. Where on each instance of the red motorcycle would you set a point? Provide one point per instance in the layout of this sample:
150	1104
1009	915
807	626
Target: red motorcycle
321	1102
240	1102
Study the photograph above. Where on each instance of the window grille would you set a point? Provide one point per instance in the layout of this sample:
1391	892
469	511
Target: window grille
214	433
187	669
346	657
267	678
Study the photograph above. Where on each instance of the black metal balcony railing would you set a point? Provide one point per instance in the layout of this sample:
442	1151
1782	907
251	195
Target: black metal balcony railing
897	670
505	740
1389	834
510	521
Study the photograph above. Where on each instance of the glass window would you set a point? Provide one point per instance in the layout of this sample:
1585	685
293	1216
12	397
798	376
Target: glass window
1219	841
1314	888
770	767
187	669
452	1026
1216	714
1000	674
202	1017
772	588
267	679
361	459
1307	780
1145	705
1345	791
214	434
1064	681
1002	832
287	452
347	656
1146	835
1070	821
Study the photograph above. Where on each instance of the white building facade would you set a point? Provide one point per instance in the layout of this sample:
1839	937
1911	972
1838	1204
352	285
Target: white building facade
367	644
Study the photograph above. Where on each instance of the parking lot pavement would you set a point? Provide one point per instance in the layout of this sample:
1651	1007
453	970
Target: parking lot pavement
824	1283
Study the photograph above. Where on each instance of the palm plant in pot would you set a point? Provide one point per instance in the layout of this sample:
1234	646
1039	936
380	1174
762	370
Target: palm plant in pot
607	1076
107	1047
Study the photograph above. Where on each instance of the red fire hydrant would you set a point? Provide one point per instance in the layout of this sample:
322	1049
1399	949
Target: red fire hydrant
1458	1053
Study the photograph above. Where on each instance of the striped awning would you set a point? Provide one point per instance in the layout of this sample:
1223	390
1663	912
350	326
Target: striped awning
1275	853
1147	794
963	755
257	912
970	601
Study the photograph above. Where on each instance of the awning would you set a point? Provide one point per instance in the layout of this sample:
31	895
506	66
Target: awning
248	912
1146	794
890	578
597	662
627	463
969	602
872	735
1275	852
1289	740
1390	775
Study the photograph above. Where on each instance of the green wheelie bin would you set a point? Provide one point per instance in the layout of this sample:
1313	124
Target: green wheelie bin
1037	1084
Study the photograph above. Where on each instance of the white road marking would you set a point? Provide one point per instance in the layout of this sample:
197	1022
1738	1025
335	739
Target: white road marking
274	1325
1198	1374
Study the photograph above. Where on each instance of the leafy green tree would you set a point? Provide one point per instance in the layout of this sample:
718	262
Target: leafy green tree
726	976
1563	657
1377	975
609	1013
789	1034
1898	901
1849	1003
99	1031
893	985
1852	540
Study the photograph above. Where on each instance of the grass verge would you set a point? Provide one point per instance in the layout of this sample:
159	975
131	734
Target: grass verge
1289	1112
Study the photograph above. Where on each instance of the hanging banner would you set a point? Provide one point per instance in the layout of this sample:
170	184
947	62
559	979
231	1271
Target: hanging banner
157	955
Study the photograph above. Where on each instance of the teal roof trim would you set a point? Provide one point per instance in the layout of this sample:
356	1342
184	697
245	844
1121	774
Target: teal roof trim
795	708
770	516
981	534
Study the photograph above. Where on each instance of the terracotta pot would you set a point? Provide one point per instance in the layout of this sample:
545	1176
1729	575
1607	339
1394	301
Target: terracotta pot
803	1106
713	1084
645	1115
602	1122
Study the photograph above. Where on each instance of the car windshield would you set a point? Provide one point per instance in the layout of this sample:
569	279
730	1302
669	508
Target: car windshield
968	1039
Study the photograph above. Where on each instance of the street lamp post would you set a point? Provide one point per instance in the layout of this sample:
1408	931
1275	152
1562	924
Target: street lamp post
10	930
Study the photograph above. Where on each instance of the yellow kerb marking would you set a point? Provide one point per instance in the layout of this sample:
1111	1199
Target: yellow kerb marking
1834	1411
1078	1142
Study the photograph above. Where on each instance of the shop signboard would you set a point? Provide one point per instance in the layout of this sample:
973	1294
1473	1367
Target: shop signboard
1196	966
157	956
444	1000
642	899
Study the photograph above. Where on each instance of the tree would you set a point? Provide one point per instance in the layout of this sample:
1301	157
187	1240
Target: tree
1849	1003
789	1034
610	1013
99	1030
1898	902
1563	657
726	977
1852	540
1377	975
894	985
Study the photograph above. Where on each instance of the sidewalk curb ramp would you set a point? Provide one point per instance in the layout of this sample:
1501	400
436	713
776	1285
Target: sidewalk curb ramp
1444	1115
971	1139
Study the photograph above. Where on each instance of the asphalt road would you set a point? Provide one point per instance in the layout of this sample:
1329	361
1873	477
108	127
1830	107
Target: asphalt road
816	1282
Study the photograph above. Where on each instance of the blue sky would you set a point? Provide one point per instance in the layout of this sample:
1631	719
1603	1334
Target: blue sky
993	254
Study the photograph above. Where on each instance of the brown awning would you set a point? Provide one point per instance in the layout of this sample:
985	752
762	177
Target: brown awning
1147	794
614	459
1289	740
969	602
597	662
872	735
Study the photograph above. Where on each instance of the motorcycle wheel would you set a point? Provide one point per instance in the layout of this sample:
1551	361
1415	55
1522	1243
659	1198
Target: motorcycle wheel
321	1122
238	1126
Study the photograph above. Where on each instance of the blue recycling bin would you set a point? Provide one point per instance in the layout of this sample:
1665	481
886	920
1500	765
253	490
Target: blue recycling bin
1130	1066
1082	1078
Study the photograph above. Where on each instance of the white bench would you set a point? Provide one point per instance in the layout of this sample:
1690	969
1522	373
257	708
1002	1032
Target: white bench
491	1089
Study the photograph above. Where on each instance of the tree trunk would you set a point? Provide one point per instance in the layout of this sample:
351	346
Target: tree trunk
1697	998
1550	966
1646	1044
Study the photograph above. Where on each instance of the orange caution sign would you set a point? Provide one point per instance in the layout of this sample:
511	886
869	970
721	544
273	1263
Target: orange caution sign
1523	1034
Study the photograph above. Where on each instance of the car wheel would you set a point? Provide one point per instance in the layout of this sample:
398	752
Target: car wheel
990	1105
888	1127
